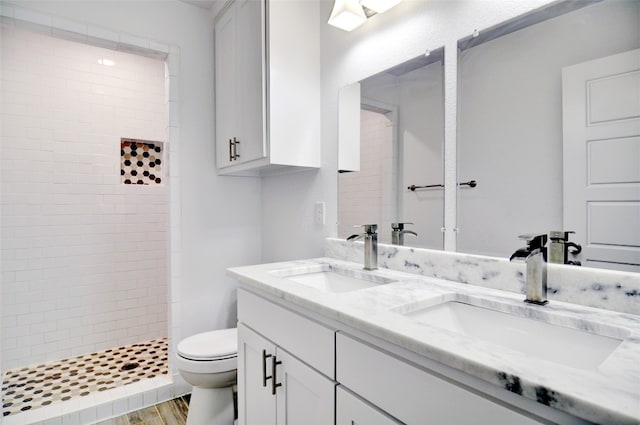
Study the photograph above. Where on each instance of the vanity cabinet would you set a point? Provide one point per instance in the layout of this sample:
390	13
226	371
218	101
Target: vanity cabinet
411	394
285	365
267	84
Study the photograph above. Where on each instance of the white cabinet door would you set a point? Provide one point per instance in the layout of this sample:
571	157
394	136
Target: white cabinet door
225	85
256	403
239	58
304	396
249	74
351	410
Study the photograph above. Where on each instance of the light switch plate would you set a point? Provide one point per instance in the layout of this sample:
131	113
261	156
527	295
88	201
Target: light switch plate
319	212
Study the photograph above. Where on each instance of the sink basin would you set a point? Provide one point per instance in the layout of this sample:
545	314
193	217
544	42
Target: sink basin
329	278
554	343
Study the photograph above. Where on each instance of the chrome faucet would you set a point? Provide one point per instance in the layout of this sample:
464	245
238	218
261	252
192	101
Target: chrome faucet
398	232
535	255
560	248
370	245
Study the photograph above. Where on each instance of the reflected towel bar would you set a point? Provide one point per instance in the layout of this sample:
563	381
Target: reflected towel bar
470	183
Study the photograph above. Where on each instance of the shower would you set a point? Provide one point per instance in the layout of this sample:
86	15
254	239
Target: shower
85	218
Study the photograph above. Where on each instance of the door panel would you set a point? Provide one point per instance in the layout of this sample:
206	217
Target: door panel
225	80
305	397
601	151
256	403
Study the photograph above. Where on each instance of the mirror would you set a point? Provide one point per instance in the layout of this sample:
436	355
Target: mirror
401	144
522	132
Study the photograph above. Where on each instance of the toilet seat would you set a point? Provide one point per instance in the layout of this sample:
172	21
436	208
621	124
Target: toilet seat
210	346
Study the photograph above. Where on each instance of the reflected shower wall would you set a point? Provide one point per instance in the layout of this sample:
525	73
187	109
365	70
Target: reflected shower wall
402	128
367	196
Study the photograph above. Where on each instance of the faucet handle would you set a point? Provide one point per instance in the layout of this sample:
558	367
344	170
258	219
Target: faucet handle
534	240
560	235
369	229
399	226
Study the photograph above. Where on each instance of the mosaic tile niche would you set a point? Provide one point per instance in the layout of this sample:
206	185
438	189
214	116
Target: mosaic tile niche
140	162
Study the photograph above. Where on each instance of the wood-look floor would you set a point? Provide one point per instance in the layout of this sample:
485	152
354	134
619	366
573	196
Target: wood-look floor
172	412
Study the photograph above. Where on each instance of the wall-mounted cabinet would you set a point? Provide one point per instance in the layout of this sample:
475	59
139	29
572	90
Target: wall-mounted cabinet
267	82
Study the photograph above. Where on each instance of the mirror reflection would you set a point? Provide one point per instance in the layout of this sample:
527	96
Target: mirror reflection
401	144
549	124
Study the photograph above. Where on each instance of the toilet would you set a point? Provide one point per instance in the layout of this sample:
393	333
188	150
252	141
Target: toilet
208	361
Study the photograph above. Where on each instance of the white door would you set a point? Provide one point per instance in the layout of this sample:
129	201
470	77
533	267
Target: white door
305	396
601	130
256	403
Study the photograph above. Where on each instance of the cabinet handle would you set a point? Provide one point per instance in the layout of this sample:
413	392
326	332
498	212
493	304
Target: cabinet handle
236	155
233	149
274	364
265	378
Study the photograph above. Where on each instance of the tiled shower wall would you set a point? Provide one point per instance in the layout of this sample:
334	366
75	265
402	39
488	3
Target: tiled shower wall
84	257
366	196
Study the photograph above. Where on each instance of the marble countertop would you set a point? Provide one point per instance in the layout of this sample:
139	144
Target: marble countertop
608	393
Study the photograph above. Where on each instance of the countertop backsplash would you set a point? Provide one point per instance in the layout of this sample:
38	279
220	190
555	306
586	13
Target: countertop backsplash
599	288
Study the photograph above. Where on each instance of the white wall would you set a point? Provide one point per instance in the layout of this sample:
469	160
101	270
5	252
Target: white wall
402	33
510	116
84	257
218	217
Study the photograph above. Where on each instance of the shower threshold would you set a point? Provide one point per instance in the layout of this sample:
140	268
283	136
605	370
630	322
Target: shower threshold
78	379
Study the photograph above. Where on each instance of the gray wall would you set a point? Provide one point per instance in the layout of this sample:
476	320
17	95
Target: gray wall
510	122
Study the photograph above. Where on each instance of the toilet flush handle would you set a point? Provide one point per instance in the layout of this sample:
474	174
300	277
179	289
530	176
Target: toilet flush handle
265	378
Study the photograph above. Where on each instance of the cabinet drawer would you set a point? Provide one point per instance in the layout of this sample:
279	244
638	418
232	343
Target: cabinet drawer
304	338
351	410
412	394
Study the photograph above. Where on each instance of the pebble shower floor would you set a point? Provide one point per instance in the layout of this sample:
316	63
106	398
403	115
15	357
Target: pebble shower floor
40	385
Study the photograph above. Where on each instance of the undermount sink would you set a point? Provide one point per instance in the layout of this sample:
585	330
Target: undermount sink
550	342
329	278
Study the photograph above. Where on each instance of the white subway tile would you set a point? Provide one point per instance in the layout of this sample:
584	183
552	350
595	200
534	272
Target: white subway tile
159	47
6	11
32	16
103	33
70	26
88	415
132	40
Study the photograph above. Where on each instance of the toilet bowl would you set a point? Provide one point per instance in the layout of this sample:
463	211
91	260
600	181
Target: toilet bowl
208	361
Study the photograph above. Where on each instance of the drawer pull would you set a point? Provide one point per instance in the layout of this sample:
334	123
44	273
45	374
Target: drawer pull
230	150
265	378
236	155
274	364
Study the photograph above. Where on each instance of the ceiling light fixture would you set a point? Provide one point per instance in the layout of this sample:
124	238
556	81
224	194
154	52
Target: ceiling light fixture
347	15
350	14
379	6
